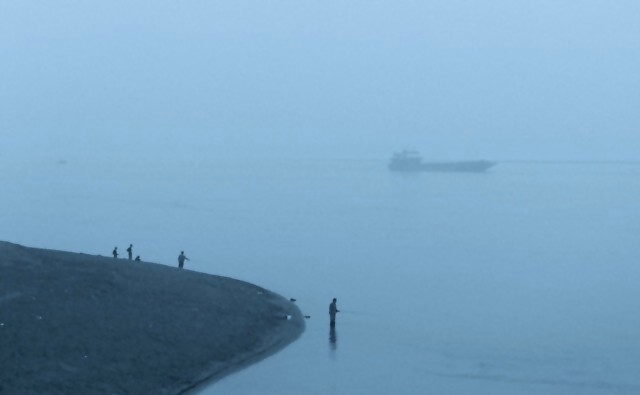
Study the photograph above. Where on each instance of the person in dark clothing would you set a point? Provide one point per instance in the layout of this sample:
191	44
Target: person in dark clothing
115	252
137	258
130	251
181	259
333	309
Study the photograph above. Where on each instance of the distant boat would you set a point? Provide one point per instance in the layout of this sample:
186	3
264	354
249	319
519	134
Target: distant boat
411	161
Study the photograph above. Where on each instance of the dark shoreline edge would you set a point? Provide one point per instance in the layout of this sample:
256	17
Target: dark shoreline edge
236	366
76	323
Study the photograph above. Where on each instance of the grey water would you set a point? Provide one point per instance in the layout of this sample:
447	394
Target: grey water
521	280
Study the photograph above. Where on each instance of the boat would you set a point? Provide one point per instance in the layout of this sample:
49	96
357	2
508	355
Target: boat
411	161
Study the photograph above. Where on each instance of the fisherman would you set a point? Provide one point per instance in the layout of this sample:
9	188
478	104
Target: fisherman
181	259
333	309
115	252
130	251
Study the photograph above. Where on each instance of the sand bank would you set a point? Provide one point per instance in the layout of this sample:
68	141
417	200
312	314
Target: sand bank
83	324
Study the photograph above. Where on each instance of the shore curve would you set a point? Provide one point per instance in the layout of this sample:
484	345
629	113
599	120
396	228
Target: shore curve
73	323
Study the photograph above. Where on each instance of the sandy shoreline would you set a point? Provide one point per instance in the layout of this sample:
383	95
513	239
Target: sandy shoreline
82	324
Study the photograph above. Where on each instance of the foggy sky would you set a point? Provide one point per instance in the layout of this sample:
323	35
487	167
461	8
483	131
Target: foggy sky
499	79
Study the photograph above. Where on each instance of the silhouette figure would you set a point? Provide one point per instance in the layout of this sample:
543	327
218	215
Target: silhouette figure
130	251
181	259
137	258
333	309
115	252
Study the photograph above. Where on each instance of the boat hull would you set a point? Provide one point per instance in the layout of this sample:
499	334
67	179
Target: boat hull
477	166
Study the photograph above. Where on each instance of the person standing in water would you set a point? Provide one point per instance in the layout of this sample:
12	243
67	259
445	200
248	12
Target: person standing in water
333	309
181	259
130	251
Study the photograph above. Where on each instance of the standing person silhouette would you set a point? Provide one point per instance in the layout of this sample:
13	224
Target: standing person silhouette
130	251
181	259
115	252
333	309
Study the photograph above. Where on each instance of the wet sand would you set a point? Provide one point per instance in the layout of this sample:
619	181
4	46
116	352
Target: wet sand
75	323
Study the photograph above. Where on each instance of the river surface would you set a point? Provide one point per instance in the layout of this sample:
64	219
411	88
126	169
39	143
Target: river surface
522	280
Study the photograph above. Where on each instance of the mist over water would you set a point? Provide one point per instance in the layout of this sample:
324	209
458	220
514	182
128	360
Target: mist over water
522	280
215	127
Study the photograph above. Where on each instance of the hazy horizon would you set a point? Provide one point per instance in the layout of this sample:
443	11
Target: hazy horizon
542	80
178	120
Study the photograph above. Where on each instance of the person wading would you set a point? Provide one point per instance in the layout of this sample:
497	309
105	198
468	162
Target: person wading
333	309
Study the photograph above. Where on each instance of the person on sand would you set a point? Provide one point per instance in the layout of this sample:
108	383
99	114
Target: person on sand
115	252
333	309
181	259
137	258
130	251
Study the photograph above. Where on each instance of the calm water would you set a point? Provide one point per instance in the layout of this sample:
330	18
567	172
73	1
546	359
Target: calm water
523	280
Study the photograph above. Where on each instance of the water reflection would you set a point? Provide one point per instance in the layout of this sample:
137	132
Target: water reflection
333	339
